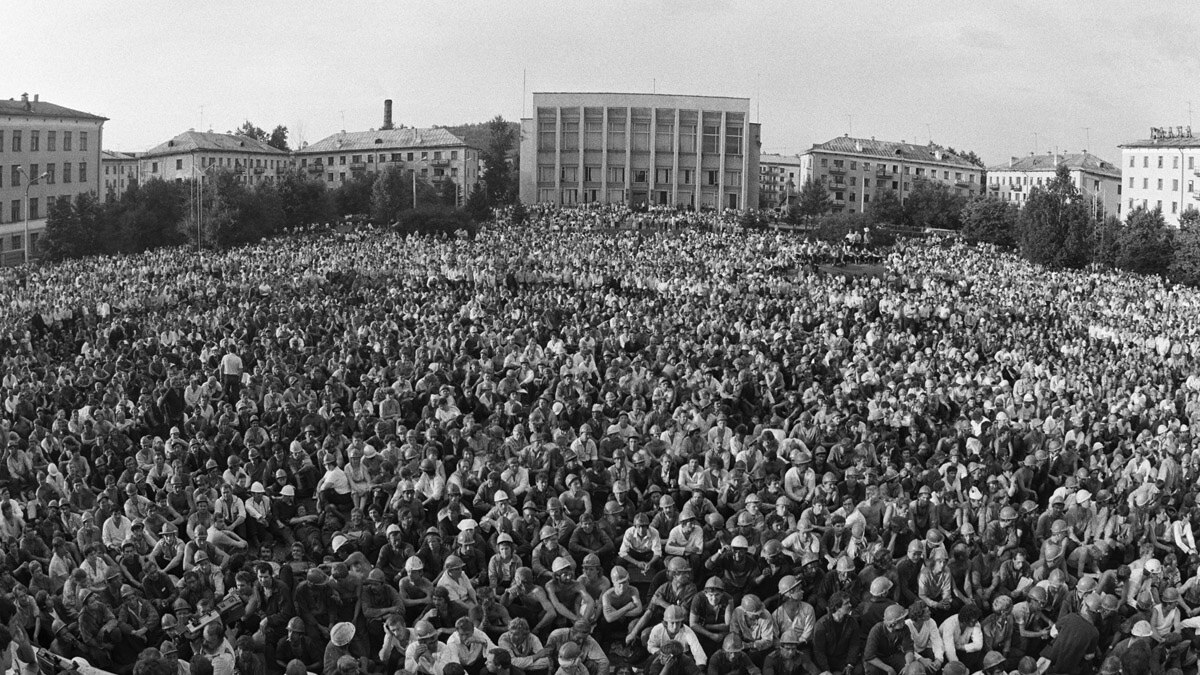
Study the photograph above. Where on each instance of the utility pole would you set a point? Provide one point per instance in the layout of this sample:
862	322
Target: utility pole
1087	137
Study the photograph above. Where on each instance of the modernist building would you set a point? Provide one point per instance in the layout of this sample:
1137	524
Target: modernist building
46	151
120	173
1098	180
699	151
779	179
856	170
194	152
1162	172
435	154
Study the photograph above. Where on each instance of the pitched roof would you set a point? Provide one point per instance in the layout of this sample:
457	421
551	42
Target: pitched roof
43	109
383	139
870	147
1083	161
196	141
113	155
1167	137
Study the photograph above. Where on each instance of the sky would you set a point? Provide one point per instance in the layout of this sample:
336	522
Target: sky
998	78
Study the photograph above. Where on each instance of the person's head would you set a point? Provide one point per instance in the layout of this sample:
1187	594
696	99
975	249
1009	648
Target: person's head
213	635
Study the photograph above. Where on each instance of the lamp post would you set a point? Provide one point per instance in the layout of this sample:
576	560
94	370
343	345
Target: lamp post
200	200
29	182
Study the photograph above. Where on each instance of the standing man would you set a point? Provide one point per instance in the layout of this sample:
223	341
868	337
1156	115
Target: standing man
231	374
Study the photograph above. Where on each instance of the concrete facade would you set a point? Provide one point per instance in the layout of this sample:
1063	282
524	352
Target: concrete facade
779	179
1162	172
856	170
120	173
1098	180
39	138
659	149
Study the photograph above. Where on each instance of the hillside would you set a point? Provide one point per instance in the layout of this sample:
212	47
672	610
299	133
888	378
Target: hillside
476	134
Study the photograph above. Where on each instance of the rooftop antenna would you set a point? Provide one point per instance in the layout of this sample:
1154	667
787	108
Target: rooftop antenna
757	100
1087	135
343	112
851	118
523	74
928	133
1035	143
1189	113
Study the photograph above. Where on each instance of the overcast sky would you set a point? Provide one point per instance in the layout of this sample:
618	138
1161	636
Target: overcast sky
980	76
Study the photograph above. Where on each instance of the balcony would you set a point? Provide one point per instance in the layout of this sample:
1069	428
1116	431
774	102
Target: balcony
964	184
882	173
315	168
260	170
837	171
838	186
439	162
839	202
358	166
1015	188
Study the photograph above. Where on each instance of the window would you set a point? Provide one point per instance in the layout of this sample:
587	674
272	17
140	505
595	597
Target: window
397	157
545	195
1175	185
1190	186
1131	166
1191	163
16	210
66	141
687	137
616	174
67	172
866	198
641	134
1145	183
641	175
83	172
853	166
591	173
1158	204
34	211
854	180
1174	164
329	177
1	140
356	159
664	136
839	196
453	154
711	177
570	134
153	167
593	134
546	173
1174	207
570	174
616	132
16	140
688	177
1160	161
1131	181
824	161
16	243
51	173
437	154
179	165
410	158
35	141
82	140
921	172
424	156
1160	183
370	159
895	185
733	177
662	175
733	139
1146	163
957	175
712	139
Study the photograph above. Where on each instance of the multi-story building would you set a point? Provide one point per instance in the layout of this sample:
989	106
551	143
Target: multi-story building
120	173
46	151
699	151
779	179
436	155
1098	180
193	153
1162	172
855	170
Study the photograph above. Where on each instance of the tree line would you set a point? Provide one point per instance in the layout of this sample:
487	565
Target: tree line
1056	226
223	211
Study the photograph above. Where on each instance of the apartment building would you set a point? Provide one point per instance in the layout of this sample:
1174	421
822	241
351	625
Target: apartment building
779	179
855	170
1162	172
193	153
659	149
1098	180
46	151
120	173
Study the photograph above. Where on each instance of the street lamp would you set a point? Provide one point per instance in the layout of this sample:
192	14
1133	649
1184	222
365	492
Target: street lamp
28	184
200	201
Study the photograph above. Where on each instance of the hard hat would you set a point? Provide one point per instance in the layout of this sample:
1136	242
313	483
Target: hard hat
591	560
675	613
562	564
1153	566
1008	513
739	542
500	496
678	564
894	613
414	564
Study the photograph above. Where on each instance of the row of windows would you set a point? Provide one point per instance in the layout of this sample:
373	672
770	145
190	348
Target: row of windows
1158	204
616	174
16	215
920	171
122	168
639	137
17	141
1191	162
395	157
51	174
1159	183
616	196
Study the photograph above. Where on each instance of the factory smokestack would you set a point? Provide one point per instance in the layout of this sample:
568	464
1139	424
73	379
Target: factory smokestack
387	114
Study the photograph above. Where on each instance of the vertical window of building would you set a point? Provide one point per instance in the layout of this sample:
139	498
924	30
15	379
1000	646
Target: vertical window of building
662	176
35	140
1131	181
1174	207
1175	184
16	140
1191	163
1175	162
616	129
51	141
1158	204
35	210
51	173
711	143
1145	183
179	165
83	172
593	133
733	139
616	174
641	134
853	166
733	177
1160	161
82	141
16	210
1146	162
66	172
688	176
687	136
1	140
570	133
546	173
712	177
591	174
1160	183
570	174
66	141
547	129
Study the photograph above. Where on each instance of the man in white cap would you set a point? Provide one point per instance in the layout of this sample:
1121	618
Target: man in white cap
340	637
426	655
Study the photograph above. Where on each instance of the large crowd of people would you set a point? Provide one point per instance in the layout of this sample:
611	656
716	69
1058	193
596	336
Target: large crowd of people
583	447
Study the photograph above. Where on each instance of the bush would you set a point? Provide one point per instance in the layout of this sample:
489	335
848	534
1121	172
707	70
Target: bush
834	228
436	220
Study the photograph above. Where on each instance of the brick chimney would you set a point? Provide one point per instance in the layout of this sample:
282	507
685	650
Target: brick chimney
25	100
387	114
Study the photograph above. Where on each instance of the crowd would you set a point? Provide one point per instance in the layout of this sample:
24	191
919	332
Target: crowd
596	451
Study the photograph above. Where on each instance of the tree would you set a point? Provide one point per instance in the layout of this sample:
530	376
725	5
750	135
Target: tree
392	194
812	201
497	171
520	214
448	192
1185	258
477	205
1055	226
886	209
1108	241
353	197
990	220
1145	243
1190	218
932	204
248	129
303	201
279	138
